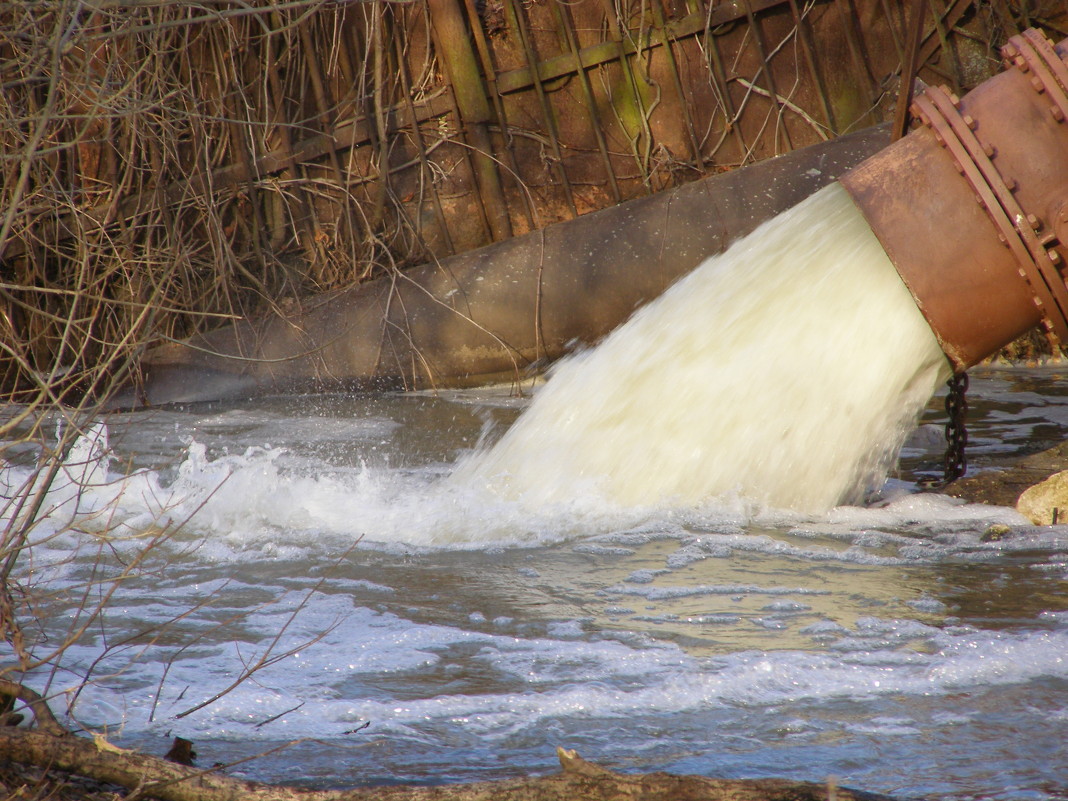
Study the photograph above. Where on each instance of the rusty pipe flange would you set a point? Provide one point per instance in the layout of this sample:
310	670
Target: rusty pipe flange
1032	52
971	206
937	109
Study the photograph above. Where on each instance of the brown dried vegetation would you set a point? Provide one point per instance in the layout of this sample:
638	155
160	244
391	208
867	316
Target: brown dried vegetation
166	166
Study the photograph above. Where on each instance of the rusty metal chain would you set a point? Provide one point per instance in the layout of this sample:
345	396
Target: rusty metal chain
956	462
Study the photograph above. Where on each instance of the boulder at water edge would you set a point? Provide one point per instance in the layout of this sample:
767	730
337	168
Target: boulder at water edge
1046	503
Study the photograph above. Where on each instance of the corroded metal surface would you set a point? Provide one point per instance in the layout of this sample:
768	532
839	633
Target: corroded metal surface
972	208
496	312
971	205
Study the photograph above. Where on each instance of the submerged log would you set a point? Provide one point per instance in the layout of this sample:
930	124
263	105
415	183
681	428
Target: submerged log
496	313
151	777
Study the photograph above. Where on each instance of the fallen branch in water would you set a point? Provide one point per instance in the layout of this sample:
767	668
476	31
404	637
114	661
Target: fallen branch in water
152	777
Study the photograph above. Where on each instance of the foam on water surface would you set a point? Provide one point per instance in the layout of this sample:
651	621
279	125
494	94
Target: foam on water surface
432	625
266	498
713	639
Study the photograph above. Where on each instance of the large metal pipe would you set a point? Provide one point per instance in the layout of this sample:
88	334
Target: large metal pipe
972	205
492	313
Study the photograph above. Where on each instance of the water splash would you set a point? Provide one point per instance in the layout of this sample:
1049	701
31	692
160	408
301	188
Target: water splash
783	374
786	371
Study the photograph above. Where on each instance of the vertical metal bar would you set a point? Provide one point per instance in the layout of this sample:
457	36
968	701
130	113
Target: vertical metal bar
490	75
417	137
908	68
461	67
719	83
762	49
1002	11
804	32
898	10
951	17
469	159
543	100
563	15
850	24
948	49
656	6
856	33
616	30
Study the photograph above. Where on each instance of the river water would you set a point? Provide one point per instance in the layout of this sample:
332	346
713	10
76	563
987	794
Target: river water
412	631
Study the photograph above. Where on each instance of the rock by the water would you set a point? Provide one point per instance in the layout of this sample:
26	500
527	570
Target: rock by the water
1005	487
1046	503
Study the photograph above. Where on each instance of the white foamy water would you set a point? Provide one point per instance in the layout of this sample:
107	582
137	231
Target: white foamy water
421	626
875	643
786	372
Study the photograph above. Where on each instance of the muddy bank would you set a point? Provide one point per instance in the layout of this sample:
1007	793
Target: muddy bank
1004	487
59	765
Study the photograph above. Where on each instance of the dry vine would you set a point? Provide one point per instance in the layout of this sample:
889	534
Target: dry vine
151	180
167	166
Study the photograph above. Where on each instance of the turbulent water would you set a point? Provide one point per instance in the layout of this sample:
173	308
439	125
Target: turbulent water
785	372
411	621
895	646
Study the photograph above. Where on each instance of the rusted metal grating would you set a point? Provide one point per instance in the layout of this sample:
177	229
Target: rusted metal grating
210	158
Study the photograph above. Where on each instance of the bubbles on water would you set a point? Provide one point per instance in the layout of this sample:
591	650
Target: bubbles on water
263	500
784	373
464	624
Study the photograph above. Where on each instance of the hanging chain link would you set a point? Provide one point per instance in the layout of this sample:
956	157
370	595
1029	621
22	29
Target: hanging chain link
956	462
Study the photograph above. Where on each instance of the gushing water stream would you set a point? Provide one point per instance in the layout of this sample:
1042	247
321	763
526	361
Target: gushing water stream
785	372
654	565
